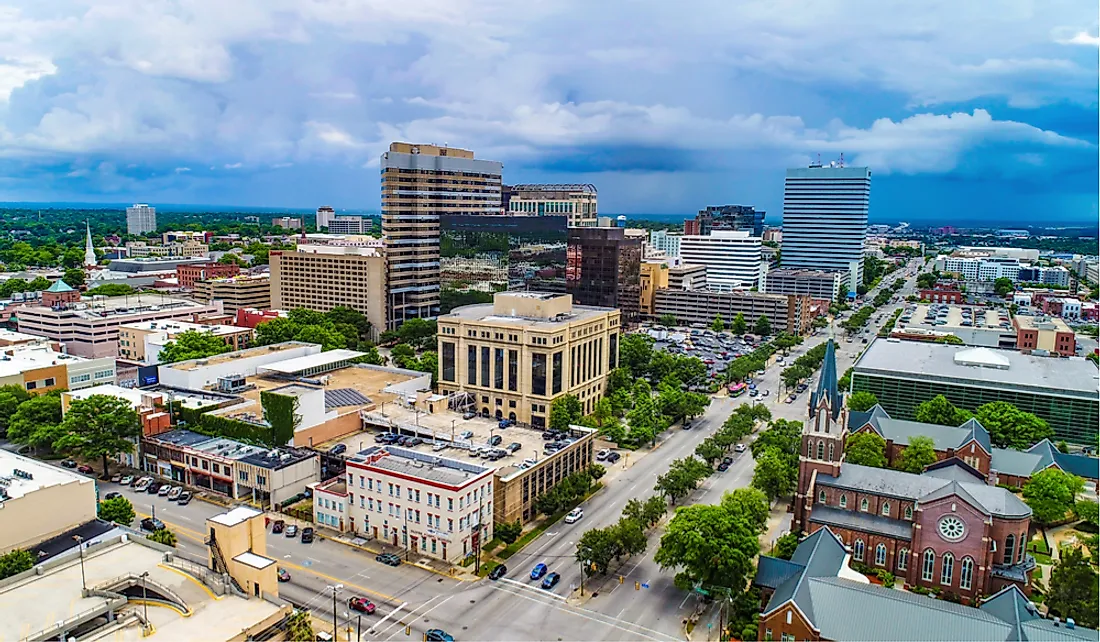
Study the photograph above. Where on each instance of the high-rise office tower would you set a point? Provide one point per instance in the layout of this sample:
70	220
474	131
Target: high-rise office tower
733	259
325	214
603	268
825	218
726	217
141	219
577	201
420	183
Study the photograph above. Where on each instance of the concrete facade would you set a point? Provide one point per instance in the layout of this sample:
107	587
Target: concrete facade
39	501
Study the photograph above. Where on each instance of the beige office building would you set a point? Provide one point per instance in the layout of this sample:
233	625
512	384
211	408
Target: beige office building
236	292
39	501
577	201
322	277
420	183
518	354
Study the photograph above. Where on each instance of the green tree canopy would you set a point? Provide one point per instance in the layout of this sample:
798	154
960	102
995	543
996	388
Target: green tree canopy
866	449
15	562
99	426
1073	589
718	324
938	410
920	452
668	320
163	536
10	398
775	475
111	289
682	477
1003	285
862	401
1010	427
192	344
750	504
326	336
1051	494
74	277
565	410
37	422
117	509
763	326
508	532
738	326
276	331
710	546
1088	511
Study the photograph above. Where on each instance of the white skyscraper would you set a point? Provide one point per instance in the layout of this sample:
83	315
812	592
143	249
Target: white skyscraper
325	214
732	258
825	218
141	219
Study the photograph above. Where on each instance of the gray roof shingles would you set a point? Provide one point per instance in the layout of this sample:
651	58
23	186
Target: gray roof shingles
866	522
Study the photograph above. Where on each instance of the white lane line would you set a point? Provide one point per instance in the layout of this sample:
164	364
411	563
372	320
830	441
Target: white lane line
536	591
441	603
388	616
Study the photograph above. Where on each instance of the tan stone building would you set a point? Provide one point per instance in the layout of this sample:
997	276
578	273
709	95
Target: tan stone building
515	356
419	183
654	277
236	292
322	277
577	201
39	501
143	341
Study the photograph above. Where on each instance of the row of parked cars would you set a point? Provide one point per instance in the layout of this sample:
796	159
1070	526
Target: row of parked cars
150	485
610	456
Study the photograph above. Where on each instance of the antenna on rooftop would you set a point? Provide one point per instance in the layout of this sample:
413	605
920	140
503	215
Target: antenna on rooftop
841	164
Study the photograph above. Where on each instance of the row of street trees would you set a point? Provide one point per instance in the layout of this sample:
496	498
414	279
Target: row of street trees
598	547
804	366
776	452
738	425
739	326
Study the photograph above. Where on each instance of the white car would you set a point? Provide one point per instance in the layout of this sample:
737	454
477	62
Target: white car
574	515
602	455
739	448
529	462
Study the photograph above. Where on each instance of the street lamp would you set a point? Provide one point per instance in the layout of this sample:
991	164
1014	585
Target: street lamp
80	544
335	589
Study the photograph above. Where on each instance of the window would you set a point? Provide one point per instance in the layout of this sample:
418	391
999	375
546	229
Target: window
49	381
886	508
863	504
830	451
903	559
768	635
556	371
471	365
485	366
857	551
929	564
947	569
498	368
966	574
880	555
513	371
821	497
1010	548
908	512
243	475
538	374
843	501
448	361
821	450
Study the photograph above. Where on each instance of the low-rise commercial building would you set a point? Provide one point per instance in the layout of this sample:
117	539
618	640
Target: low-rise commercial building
904	374
142	342
39	501
1045	335
430	505
517	355
973	325
654	276
786	313
153	264
188	248
687	277
189	274
196	374
236	292
40	368
816	284
665	242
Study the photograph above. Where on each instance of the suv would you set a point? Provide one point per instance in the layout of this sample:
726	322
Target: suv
495	440
389	559
152	524
602	455
307	535
513	447
613	457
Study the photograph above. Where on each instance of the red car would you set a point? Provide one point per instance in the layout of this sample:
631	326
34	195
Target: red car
84	468
361	604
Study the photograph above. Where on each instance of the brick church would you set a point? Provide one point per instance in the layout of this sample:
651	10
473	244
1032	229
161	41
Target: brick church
947	528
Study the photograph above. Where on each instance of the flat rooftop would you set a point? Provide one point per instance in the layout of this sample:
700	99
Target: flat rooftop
1003	369
36	475
485	313
31	358
1049	323
302	364
923	316
421	465
121	306
176	327
134	395
194	364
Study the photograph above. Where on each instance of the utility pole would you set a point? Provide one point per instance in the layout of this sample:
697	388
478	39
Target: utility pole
477	543
335	590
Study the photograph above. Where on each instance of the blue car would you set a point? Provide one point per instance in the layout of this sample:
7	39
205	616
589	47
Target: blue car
551	581
538	571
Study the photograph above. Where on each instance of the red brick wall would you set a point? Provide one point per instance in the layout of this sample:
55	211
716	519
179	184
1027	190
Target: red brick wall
975	544
778	624
188	274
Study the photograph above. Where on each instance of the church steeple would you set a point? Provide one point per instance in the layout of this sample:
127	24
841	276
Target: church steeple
89	251
827	383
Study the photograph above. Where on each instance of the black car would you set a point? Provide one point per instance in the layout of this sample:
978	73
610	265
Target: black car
68	463
495	440
549	435
613	457
687	425
112	495
307	535
338	449
152	524
727	460
153	488
498	572
389	559
723	467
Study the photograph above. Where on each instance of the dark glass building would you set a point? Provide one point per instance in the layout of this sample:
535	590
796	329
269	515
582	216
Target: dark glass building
726	217
603	268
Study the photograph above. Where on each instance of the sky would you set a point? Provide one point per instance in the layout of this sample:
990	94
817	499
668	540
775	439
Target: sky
964	111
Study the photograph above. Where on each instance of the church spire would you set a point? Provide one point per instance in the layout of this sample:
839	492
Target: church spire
827	383
89	251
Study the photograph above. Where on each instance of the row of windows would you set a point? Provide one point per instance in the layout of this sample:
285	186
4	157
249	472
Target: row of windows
479	494
864	504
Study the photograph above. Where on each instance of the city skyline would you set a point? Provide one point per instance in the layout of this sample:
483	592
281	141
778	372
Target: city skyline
967	116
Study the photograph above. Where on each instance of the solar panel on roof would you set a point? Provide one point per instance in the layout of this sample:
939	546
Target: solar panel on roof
338	397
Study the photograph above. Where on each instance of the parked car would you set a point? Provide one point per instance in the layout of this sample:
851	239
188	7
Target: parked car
389	559
307	535
284	575
277	526
361	604
538	571
602	455
68	463
153	488
466	434
613	457
723	467
686	425
513	447
498	572
185	498
495	440
438	635
414	441
727	460
141	484
469	415
164	490
574	515
338	449
116	478
739	448
152	524
551	581
530	462
85	468
128	480
174	494
291	531
112	495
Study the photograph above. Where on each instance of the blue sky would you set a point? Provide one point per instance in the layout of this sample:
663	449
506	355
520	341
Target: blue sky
964	111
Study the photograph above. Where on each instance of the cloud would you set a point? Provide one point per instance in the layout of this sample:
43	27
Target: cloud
232	166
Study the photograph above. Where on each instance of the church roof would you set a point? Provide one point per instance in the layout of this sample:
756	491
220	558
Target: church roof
59	286
1080	465
954	468
860	521
827	383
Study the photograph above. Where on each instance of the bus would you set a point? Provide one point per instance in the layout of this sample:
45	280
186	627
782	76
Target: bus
737	389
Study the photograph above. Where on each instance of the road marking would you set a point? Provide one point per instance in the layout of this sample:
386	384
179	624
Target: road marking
388	616
420	615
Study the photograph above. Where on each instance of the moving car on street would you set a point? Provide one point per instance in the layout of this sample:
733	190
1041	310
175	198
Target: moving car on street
551	581
574	515
538	571
361	604
389	559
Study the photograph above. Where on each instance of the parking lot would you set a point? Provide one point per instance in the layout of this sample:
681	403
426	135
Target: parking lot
715	349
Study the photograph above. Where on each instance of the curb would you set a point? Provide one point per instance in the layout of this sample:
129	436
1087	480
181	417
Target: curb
457	577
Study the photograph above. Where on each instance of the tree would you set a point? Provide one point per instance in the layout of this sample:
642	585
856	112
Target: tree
74	277
938	410
619	379
643	416
595	550
1003	285
711	547
602	413
1088	511
99	426
774	474
15	562
111	289
1010	427
668	320
1051	494
682	477
163	536
926	280
401	354
845	381
629	537
763	326
326	336
793	374
508	532
785	546
10	398
738	326
192	344
565	410
276	331
920	452
417	332
635	353
373	357
1073	589
866	449
37	421
299	627
862	401
117	509
749	504
718	324
709	451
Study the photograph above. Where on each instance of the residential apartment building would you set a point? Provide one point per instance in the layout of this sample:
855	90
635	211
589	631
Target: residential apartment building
141	219
904	374
1049	335
236	292
577	202
816	284
40	368
1047	275
726	217
825	219
526	349
665	242
187	275
142	342
687	277
322	277
349	225
980	269
39	501
431	506
654	276
603	269
90	328
420	183
179	236
786	313
733	258
287	222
